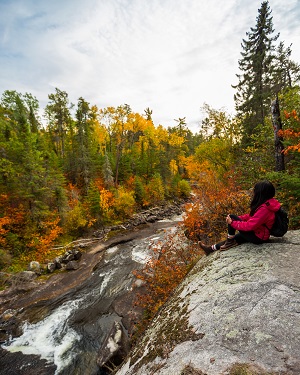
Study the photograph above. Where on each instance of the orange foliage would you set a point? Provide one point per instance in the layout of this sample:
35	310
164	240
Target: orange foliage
168	266
106	200
99	183
192	167
130	183
214	200
37	244
41	243
4	222
290	133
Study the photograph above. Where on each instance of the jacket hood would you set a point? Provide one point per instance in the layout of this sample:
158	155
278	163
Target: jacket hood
273	204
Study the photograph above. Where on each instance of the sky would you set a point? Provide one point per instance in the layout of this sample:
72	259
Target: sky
171	56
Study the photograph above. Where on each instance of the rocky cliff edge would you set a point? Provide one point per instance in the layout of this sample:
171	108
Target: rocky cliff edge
237	312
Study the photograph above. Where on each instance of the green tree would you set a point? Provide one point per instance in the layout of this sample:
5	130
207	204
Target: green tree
83	145
287	72
139	192
58	115
29	176
255	82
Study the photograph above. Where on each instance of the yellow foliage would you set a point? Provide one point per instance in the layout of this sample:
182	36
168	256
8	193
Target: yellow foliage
124	202
173	167
75	218
192	166
156	190
176	140
218	153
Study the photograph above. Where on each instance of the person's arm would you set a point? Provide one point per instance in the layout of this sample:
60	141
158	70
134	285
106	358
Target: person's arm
258	219
244	217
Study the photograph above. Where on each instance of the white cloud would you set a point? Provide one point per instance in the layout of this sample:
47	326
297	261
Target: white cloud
169	55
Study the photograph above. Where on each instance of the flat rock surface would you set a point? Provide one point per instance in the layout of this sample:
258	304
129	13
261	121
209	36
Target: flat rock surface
239	307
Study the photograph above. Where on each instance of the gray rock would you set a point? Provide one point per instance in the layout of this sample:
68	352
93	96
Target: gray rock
35	267
152	219
115	345
77	254
26	276
237	309
58	262
72	265
51	267
68	257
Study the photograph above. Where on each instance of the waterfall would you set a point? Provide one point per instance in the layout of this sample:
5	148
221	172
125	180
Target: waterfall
51	338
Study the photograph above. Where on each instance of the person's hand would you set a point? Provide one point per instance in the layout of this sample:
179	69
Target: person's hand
228	219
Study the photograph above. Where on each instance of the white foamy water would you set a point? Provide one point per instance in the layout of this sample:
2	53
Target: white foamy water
142	252
106	278
51	338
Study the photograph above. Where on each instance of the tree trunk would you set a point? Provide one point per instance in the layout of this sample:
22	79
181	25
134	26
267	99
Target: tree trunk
277	125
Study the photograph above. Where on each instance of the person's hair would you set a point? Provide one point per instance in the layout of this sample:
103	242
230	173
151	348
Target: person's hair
263	191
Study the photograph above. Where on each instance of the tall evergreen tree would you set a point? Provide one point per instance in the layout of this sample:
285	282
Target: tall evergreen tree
57	112
254	88
83	141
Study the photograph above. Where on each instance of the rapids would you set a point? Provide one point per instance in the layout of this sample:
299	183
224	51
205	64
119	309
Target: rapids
70	338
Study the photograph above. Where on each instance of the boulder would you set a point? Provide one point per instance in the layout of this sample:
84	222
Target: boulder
69	256
72	265
51	267
58	262
115	346
35	267
237	312
77	254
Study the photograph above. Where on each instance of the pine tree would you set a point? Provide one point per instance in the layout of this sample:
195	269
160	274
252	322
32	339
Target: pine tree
57	112
255	86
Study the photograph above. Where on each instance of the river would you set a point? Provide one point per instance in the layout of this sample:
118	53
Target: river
86	328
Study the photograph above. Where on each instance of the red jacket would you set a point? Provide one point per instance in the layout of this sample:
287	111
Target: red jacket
263	216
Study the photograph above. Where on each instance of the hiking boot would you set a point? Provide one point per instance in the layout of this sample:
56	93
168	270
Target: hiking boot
230	242
205	248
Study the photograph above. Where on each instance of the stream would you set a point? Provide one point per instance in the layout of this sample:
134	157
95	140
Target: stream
86	330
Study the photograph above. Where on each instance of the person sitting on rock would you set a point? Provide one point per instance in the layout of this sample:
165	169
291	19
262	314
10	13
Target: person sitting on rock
252	227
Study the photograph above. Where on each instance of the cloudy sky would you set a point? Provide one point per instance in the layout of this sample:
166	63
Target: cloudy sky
169	55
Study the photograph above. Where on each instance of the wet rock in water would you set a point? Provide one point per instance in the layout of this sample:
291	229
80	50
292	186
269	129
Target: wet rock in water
115	347
9	325
26	364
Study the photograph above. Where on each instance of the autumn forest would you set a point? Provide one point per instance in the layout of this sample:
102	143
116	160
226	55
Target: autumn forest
81	167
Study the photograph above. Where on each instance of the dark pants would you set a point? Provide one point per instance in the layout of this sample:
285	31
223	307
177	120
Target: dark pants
241	236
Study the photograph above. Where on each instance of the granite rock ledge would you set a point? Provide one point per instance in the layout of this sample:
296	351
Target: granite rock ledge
237	310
